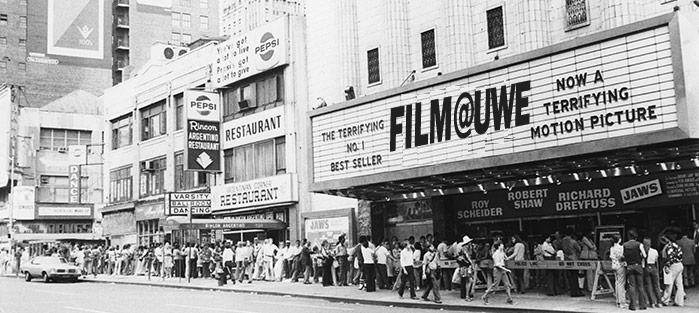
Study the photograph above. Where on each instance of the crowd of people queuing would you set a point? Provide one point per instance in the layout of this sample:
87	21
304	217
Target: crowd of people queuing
644	276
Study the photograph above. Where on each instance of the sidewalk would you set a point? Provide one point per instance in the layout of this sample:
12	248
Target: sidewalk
532	301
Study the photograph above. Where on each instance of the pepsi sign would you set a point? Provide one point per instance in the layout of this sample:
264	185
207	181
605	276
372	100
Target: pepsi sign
202	106
202	131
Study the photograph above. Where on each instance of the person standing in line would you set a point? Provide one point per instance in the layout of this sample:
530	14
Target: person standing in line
296	261
443	254
695	237
499	273
650	274
407	272
589	252
417	264
634	254
269	251
672	253
571	251
518	255
168	262
467	270
227	258
306	262
192	255
549	254
616	254
240	264
369	267
178	257
342	258
382	256
285	255
327	263
688	261
158	260
431	273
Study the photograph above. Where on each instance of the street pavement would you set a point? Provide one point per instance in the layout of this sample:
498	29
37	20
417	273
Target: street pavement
118	294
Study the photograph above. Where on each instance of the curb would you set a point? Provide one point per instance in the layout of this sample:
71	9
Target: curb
336	299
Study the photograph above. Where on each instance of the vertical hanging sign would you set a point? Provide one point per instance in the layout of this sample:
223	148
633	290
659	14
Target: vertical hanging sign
73	183
202	132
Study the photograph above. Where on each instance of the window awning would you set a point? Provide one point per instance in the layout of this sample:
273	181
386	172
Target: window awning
183	223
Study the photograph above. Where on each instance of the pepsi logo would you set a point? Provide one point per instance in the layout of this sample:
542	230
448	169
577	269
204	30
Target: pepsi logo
203	105
266	47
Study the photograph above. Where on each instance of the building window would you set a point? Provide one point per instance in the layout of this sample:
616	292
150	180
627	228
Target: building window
373	64
153	177
23	22
22	66
179	111
176	19
186	38
54	139
153	121
261	159
496	28
3	41
187	180
55	189
186	3
120	185
577	14
3	19
204	4
176	37
186	20
429	56
3	64
22	42
203	22
122	132
268	90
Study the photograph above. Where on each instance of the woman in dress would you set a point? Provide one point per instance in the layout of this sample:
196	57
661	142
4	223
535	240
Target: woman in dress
167	260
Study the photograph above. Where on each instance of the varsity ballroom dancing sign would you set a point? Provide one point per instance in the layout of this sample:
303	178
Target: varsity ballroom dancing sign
618	87
202	136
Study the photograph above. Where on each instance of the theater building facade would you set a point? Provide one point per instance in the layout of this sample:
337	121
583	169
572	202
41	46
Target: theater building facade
595	131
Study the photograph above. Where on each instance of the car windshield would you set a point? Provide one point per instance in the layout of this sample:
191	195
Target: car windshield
54	261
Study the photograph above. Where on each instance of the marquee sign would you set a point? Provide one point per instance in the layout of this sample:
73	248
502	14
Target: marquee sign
202	132
603	195
254	52
180	203
608	89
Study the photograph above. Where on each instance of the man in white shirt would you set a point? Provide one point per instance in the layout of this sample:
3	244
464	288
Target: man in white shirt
228	255
499	273
286	254
381	270
407	272
269	251
369	266
549	254
650	274
443	253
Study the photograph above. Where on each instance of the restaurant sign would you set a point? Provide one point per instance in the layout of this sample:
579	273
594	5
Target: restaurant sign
259	192
202	137
618	87
603	195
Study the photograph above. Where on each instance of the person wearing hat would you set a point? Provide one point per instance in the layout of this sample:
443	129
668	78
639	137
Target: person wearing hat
466	268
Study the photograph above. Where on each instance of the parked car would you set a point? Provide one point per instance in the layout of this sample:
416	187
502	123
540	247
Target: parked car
50	268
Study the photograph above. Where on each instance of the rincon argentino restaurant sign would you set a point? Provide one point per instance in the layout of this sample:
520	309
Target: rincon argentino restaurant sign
613	88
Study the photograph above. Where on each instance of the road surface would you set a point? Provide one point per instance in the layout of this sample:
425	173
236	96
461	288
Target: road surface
18	296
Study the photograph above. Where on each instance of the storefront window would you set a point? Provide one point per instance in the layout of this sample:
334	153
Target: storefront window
148	232
262	159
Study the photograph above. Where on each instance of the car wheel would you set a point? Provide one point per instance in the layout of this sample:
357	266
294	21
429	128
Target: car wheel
27	276
46	278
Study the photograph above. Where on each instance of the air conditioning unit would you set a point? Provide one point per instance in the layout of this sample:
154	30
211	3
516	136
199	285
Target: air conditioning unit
246	104
172	52
148	166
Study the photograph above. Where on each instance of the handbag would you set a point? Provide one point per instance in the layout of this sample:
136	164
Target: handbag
456	278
